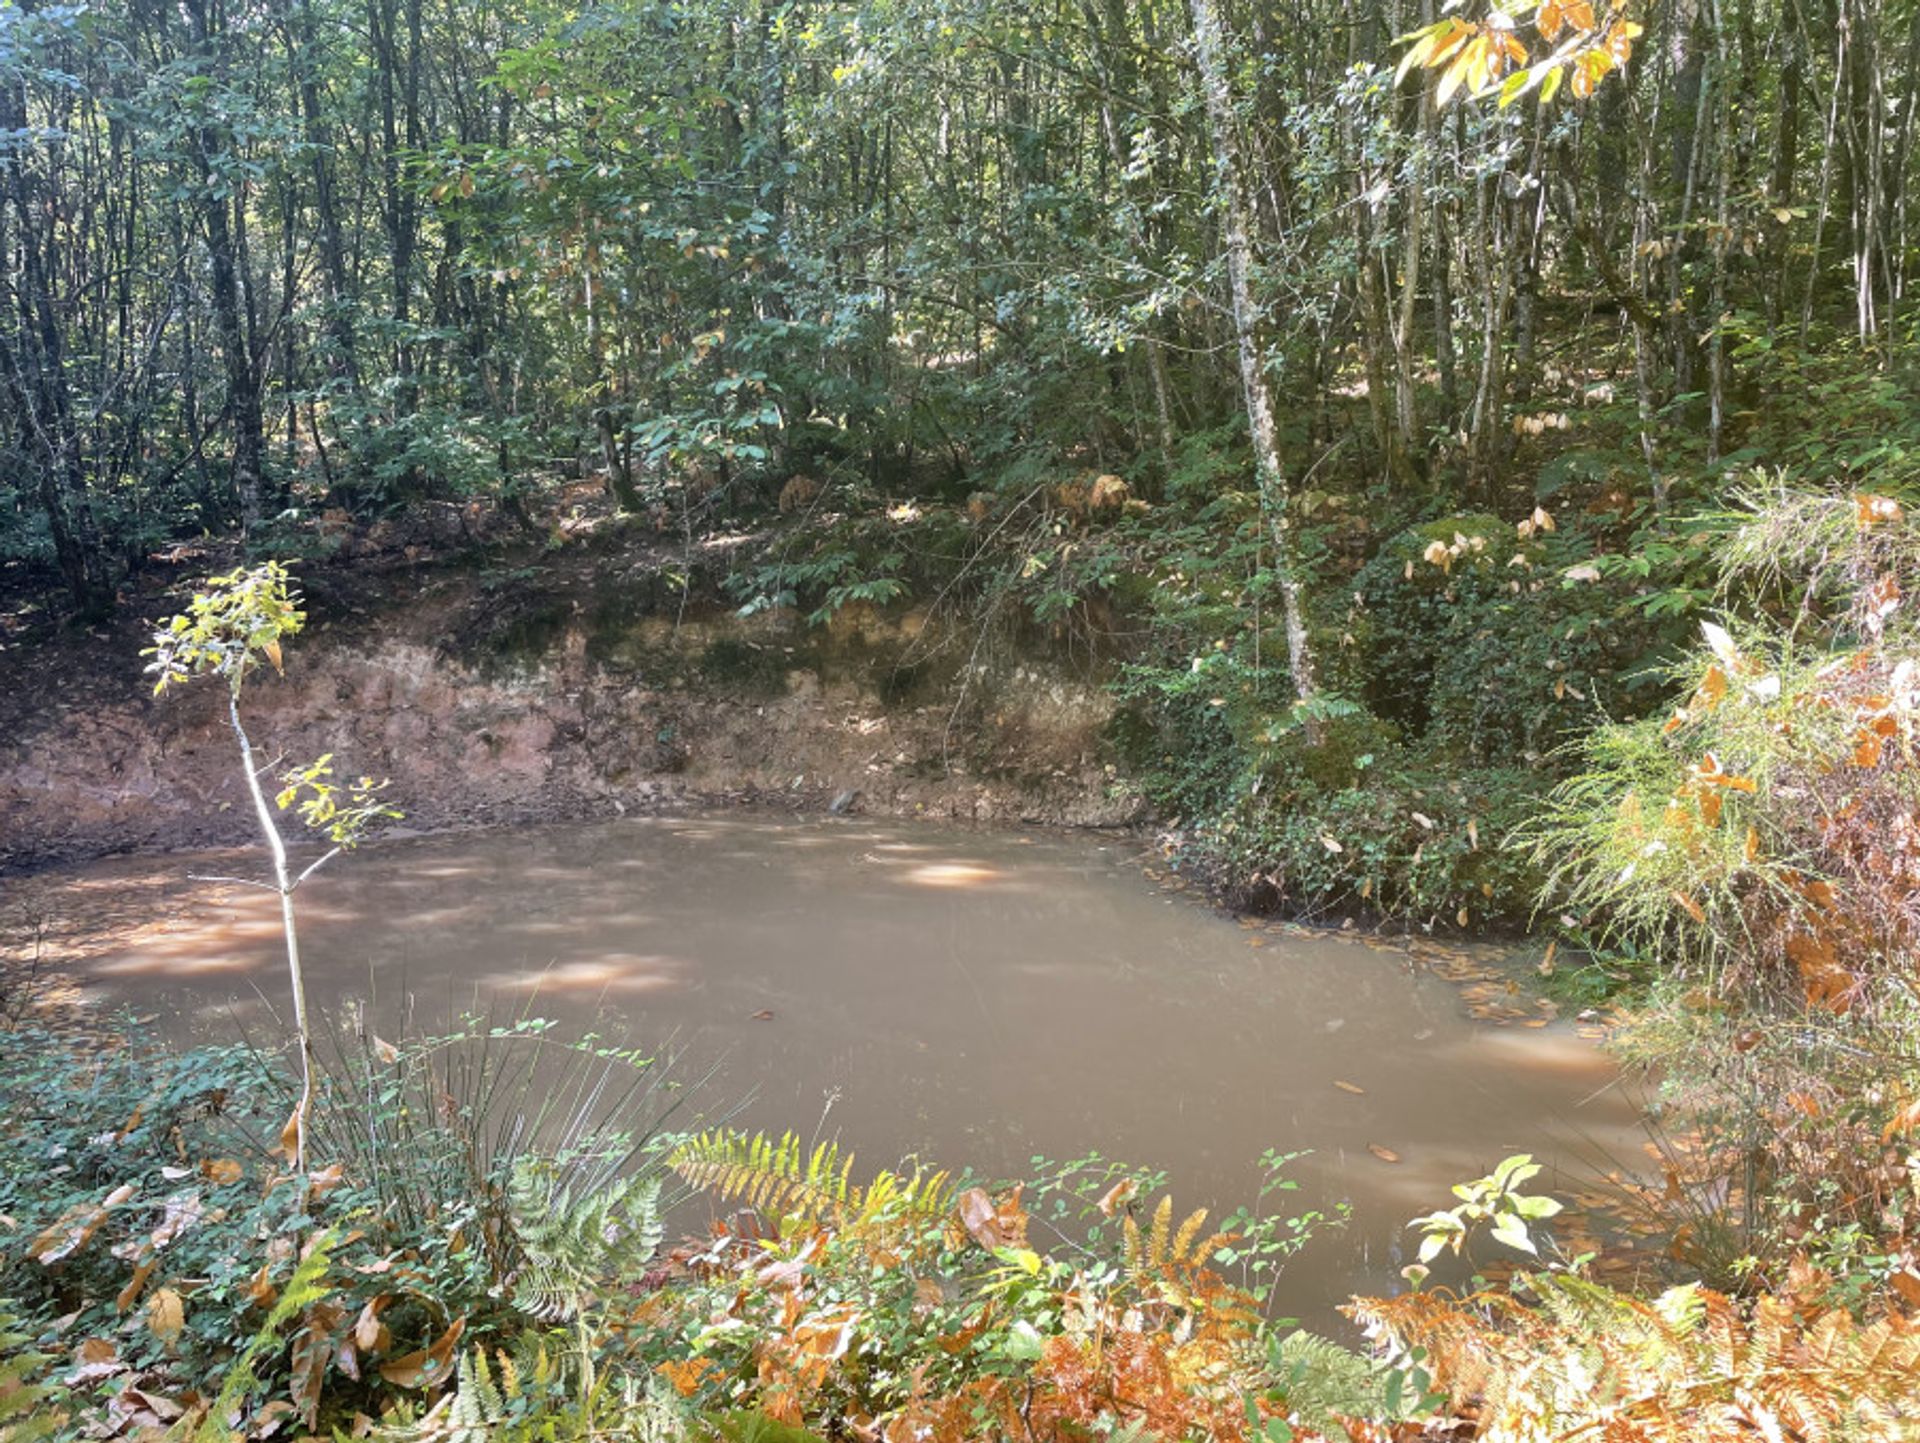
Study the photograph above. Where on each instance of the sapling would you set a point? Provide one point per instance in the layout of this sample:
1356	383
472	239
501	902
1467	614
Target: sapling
236	622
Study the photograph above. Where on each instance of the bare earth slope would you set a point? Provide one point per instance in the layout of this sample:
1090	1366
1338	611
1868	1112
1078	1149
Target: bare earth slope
495	687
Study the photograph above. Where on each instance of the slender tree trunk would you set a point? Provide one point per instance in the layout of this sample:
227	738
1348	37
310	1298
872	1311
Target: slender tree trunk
1209	49
284	884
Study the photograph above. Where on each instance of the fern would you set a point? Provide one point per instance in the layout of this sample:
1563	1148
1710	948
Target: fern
28	1410
518	1397
577	1242
1319	1380
488	1400
781	1178
1586	1362
307	1286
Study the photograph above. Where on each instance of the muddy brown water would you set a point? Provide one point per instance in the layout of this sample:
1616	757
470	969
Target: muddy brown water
970	997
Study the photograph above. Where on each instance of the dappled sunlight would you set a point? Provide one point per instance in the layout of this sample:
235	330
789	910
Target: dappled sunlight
1545	1052
981	996
183	957
954	875
615	972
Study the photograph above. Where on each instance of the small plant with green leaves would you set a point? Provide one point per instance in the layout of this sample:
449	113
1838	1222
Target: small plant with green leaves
30	1408
1494	1200
236	623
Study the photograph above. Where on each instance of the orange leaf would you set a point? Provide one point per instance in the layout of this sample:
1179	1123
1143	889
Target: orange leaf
131	1291
1118	1196
1904	1120
261	1292
290	1134
1867	749
1868	509
1385	1154
993	1224
312	1347
428	1366
369	1333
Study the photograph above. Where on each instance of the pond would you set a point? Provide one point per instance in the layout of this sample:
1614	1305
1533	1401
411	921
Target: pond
971	997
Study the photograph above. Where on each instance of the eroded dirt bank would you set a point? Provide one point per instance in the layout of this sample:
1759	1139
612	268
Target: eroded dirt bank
566	687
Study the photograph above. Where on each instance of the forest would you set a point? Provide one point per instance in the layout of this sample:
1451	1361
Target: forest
1470	450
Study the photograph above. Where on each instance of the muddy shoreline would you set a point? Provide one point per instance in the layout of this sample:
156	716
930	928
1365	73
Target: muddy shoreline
573	689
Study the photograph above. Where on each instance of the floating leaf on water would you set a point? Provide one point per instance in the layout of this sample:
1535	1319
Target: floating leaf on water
1385	1154
1349	1087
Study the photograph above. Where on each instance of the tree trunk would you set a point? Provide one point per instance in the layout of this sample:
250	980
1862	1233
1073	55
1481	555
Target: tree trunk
1210	52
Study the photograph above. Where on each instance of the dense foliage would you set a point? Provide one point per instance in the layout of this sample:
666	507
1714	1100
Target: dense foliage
1474	444
943	299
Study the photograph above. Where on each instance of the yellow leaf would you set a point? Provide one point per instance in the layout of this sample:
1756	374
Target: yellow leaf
166	1315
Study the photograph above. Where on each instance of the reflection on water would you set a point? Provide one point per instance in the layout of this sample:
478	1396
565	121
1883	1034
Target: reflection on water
971	997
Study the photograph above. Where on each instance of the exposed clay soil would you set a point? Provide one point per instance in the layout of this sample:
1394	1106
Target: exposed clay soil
500	678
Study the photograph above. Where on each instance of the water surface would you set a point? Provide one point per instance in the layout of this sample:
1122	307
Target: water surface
970	997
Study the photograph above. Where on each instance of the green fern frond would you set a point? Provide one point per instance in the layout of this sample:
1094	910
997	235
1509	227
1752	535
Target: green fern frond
574	1245
308	1285
1319	1379
506	1399
781	1178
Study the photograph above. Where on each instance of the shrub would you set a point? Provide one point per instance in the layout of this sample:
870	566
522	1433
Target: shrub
1761	841
470	1180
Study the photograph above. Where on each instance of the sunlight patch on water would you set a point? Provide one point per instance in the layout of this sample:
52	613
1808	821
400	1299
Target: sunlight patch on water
954	874
613	973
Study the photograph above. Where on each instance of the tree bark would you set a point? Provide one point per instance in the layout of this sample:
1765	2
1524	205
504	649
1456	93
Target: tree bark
1209	50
